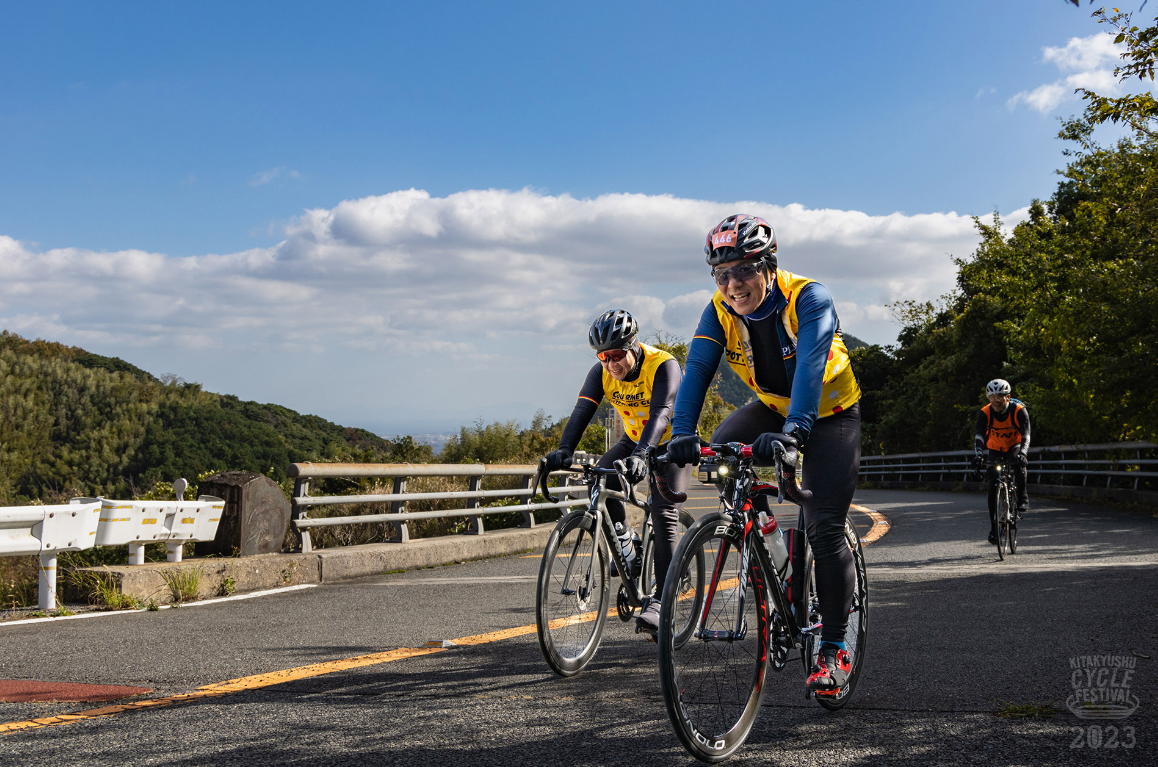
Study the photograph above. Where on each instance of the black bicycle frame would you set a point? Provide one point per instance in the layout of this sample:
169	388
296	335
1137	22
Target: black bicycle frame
739	533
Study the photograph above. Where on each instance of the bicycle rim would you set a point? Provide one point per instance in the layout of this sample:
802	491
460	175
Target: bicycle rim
1013	534
856	636
712	686
1002	521
571	601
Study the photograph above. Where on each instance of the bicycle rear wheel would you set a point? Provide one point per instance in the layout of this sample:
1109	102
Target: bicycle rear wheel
693	576
573	588
1002	520
856	637
713	682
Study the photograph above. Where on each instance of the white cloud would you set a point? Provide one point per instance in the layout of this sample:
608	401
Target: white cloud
273	174
470	276
1090	62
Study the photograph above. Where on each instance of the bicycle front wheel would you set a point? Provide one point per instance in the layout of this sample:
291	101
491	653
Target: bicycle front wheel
571	602
856	636
1002	520
713	680
1013	533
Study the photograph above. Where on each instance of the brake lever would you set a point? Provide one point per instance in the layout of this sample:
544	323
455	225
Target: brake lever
628	488
787	484
657	467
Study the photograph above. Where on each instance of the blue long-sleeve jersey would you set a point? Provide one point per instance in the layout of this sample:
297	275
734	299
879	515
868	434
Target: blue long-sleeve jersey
803	363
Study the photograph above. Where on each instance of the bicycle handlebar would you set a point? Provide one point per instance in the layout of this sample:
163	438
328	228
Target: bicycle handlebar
542	477
783	461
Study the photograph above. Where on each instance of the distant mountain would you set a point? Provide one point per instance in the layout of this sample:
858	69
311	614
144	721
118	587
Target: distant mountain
852	342
77	423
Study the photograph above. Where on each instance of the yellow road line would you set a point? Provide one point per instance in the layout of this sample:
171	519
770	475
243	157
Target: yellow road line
881	524
233	685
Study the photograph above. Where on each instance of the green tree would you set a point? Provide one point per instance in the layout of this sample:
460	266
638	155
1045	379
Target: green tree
1138	111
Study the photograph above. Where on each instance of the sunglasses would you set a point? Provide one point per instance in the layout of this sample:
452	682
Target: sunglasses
612	355
739	273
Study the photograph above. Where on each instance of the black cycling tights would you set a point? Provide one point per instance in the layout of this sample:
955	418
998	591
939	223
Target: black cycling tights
665	516
831	462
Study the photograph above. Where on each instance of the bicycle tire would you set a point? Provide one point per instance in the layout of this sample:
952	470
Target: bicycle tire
1012	528
648	574
570	625
692	577
856	637
1002	520
712	688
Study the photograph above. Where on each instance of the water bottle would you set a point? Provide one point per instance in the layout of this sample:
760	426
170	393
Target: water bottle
627	538
775	543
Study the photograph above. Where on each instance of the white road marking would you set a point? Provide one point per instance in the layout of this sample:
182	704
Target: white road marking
104	613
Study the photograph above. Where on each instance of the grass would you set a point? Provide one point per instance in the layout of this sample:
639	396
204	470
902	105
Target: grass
102	590
1035	711
184	583
19	578
227	587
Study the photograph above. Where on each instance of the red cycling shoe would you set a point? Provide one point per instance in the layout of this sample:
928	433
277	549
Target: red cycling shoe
831	670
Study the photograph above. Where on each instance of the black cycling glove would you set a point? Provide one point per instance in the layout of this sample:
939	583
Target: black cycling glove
635	469
684	449
763	448
560	459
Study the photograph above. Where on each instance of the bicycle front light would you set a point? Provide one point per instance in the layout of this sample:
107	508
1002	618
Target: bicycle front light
723	471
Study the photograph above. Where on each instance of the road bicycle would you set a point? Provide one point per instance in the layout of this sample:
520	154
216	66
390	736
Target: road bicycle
1006	515
574	582
715	648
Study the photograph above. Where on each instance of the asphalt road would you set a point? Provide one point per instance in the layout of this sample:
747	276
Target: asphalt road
956	638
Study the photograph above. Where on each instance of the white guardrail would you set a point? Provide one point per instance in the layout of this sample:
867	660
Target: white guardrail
87	522
400	472
47	531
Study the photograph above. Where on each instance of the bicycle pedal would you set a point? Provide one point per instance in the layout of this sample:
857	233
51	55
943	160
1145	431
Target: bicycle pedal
650	634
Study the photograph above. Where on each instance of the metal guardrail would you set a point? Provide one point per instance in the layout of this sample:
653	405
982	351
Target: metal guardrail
1119	464
301	500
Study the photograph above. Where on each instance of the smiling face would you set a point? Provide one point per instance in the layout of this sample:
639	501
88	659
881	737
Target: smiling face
743	286
999	402
619	368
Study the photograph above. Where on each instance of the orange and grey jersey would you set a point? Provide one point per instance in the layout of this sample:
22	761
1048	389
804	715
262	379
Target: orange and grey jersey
644	400
1003	431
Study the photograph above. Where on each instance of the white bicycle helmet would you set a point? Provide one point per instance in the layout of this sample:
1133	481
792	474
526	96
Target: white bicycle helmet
998	386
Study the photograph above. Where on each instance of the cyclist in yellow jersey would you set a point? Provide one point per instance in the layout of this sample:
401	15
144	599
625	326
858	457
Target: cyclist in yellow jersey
780	333
640	382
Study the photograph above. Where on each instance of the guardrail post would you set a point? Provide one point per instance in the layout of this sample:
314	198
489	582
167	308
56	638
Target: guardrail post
301	490
476	522
528	516
397	507
47	596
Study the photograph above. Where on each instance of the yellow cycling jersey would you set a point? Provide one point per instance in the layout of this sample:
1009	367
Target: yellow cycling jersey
633	398
840	389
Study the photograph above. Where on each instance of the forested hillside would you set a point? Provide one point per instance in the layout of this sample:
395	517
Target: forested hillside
77	423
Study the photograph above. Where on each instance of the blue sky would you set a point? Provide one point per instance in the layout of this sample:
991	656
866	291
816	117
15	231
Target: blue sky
222	191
